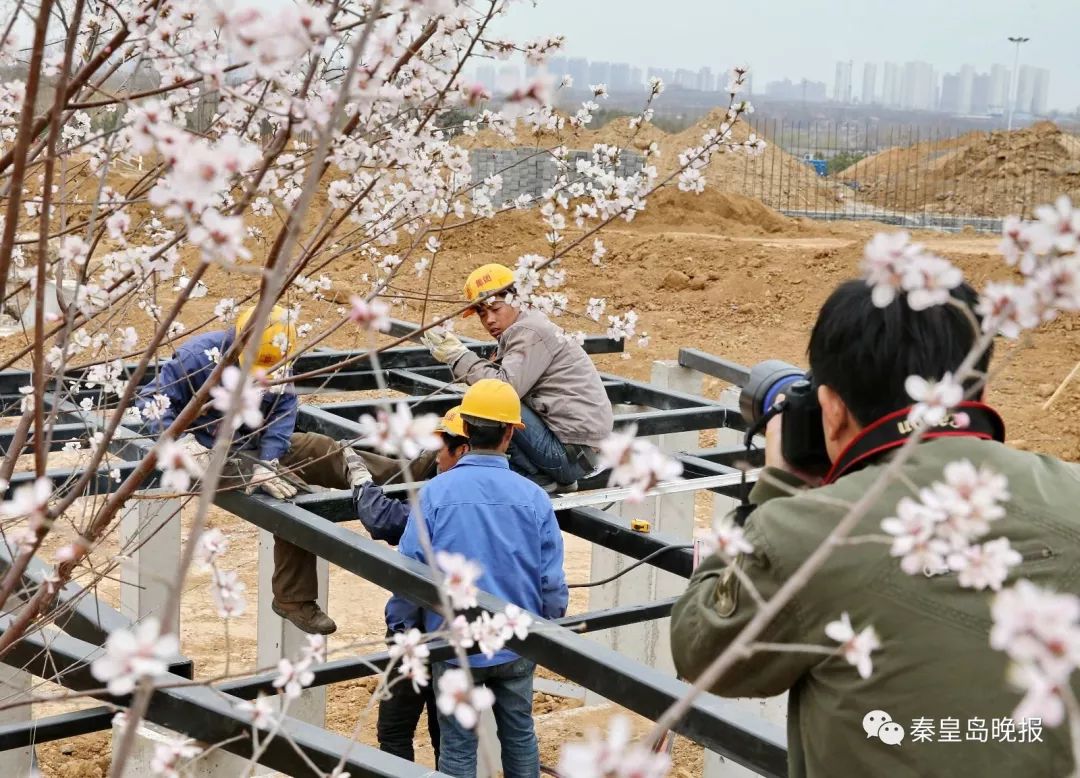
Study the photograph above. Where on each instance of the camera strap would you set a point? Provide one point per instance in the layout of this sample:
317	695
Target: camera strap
892	431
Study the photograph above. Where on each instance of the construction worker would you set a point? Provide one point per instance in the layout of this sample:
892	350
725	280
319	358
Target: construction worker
503	522
565	408
385	518
259	458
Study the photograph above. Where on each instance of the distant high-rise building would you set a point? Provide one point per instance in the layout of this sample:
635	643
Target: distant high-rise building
999	89
890	87
981	92
620	76
918	90
842	84
556	66
509	79
1041	92
687	79
599	73
869	83
966	85
485	74
706	80
950	93
635	78
578	69
802	91
1025	89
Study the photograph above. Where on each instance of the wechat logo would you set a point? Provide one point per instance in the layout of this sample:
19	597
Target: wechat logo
879	724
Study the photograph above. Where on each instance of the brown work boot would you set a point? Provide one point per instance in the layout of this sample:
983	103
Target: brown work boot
307	616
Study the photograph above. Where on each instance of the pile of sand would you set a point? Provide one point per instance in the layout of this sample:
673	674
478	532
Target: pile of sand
980	173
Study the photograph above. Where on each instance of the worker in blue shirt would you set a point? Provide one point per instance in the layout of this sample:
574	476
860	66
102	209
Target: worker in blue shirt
384	517
505	523
259	456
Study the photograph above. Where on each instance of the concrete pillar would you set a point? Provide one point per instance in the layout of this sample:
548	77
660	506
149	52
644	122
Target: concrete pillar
632	587
14	683
278	639
154	526
150	526
674	513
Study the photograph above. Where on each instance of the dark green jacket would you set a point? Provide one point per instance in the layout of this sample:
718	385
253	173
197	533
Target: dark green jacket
935	661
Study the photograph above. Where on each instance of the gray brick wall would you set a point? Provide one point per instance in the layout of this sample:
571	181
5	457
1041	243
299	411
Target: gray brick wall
527	171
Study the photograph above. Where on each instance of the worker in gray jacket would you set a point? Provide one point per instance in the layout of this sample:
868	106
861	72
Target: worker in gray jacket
564	405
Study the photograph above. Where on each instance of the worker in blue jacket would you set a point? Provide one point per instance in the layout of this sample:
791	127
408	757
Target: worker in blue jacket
384	517
260	458
505	523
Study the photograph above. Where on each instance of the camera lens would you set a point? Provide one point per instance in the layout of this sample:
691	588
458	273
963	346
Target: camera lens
767	380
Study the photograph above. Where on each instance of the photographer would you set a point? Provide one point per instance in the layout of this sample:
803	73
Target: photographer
934	670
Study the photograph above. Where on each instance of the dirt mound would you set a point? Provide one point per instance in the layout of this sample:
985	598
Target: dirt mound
981	173
729	214
794	183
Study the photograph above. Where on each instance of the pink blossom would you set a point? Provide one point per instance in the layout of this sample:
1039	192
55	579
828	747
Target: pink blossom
727	541
933	399
612	757
133	654
249	406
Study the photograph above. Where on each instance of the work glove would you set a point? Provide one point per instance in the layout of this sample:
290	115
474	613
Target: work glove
358	472
444	346
264	476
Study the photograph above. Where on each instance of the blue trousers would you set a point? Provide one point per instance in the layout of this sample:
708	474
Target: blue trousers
512	685
538	455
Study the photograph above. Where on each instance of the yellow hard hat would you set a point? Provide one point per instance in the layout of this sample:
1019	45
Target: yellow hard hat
487	278
451	423
278	340
494	400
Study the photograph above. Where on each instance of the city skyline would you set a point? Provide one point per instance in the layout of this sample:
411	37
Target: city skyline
790	39
915	85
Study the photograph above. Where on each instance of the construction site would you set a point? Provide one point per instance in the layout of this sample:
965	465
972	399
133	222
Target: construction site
736	273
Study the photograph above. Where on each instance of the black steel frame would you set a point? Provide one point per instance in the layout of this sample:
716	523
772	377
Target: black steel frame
310	521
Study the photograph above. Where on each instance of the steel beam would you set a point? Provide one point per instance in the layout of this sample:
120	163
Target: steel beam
710	721
100	718
724	369
207	715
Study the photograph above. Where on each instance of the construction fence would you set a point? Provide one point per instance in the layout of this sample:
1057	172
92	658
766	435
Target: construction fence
912	175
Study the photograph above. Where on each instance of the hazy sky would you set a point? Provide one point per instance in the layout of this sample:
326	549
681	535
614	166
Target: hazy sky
797	38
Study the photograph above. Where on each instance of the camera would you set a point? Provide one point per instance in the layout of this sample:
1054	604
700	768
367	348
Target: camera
802	435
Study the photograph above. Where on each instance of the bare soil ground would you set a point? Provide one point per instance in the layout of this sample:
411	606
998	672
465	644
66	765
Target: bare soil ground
717	272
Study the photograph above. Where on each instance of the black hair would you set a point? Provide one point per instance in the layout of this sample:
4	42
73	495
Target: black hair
453	442
865	353
483	434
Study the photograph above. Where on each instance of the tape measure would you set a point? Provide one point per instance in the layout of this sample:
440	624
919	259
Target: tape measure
640	525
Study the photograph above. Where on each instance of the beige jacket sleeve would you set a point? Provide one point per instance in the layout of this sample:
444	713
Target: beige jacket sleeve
523	358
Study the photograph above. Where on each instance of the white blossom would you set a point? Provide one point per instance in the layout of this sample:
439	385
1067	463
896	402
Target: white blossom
456	699
293	679
612	757
228	591
459	578
855	646
262	712
728	541
933	399
400	433
249	410
176	464
636	463
212	544
134	654
169	755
